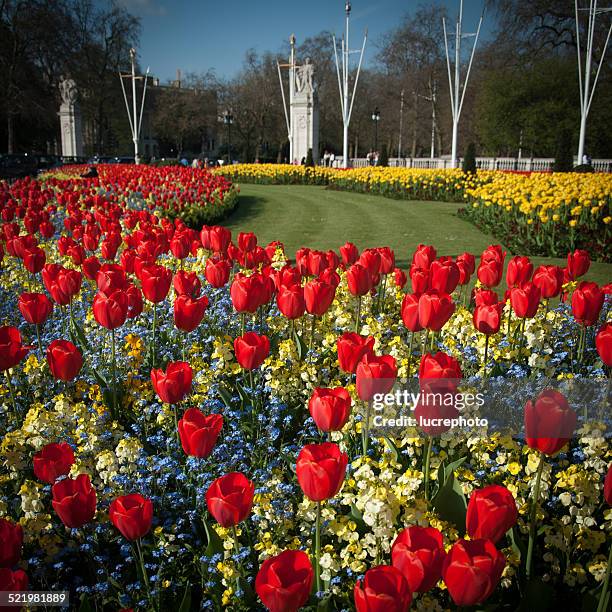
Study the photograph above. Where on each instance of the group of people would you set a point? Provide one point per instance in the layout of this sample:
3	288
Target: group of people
329	159
372	158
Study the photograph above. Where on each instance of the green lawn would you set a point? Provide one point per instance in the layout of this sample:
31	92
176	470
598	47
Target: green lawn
317	218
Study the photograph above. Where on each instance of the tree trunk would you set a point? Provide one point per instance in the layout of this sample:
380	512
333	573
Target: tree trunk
10	128
414	126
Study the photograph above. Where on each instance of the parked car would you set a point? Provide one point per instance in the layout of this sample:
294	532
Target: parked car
14	166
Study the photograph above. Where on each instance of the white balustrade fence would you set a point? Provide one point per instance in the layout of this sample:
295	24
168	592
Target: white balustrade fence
524	164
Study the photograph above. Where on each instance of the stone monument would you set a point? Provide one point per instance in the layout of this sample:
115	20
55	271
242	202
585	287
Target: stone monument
70	120
304	114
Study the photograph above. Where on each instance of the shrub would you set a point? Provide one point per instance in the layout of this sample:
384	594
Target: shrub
383	159
564	158
469	161
309	159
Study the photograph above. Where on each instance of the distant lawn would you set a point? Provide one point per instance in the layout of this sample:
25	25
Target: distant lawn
322	219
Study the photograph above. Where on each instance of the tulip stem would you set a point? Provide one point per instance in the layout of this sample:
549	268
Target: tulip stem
312	331
154	330
143	569
237	552
532	518
429	444
604	589
9	382
409	354
365	430
486	354
318	547
358	315
114	374
39	342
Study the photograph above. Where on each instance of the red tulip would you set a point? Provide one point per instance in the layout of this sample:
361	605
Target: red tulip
525	300
64	359
247	292
318	296
34	260
290	301
519	271
491	512
418	553
578	264
251	350
156	282
603	343
607	487
199	432
400	278
217	271
487	318
410	312
12	581
131	515
370	259
189	312
330	408
53	461
349	253
419	279
12	351
549	422
587	301
186	283
472	569
247	241
173	385
352	348
435	309
490	273
111	310
220	238
549	280
320	470
11	541
35	307
134	298
438	366
90	267
384	589
444	275
423	256
229	499
375	375
358	279
284	581
110	278
74	500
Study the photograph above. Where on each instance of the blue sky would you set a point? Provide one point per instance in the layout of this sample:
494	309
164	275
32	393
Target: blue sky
198	35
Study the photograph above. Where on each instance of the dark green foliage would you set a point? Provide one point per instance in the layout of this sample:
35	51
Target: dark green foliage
309	158
564	157
383	159
469	161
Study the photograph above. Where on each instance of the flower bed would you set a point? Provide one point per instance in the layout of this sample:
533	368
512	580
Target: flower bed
533	213
188	420
196	196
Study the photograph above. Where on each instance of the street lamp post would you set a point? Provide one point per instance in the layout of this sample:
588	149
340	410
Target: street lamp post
228	119
375	120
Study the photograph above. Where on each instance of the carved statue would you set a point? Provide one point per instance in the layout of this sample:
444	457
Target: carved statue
303	77
68	91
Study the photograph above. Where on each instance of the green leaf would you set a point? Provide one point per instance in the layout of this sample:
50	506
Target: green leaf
450	503
394	450
244	396
85	605
77	331
300	345
186	603
225	396
537	596
215	545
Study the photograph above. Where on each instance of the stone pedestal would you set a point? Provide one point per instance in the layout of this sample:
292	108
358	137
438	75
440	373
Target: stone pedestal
305	124
303	107
72	130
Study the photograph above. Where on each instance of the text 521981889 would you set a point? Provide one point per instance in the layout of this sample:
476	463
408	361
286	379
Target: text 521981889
19	599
